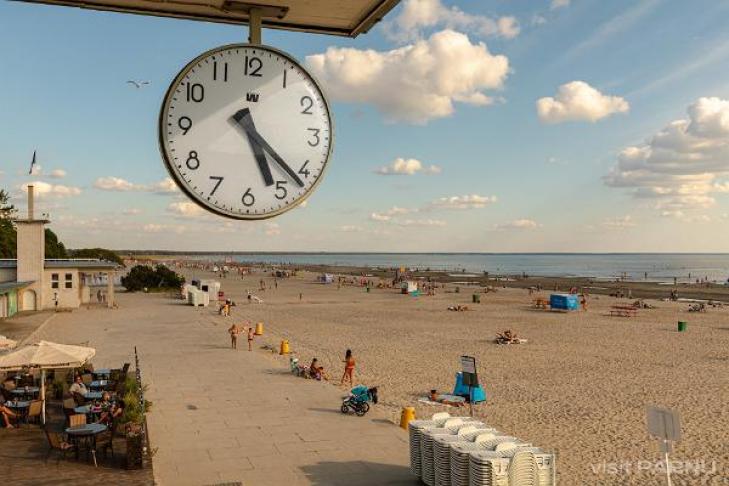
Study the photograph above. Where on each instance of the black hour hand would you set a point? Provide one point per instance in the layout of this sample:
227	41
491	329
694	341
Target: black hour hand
243	119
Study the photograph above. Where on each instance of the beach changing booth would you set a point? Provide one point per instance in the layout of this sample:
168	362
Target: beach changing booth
565	302
409	287
326	278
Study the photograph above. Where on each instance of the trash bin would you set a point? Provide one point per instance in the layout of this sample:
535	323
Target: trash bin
476	299
682	326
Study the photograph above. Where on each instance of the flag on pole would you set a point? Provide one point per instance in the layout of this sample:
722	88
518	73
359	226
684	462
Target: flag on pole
32	164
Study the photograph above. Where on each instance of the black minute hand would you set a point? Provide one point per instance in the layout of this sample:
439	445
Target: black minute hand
253	133
243	120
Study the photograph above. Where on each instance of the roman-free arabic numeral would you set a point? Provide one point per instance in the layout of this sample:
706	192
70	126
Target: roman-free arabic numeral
195	92
248	199
223	71
185	124
217	184
304	171
252	66
192	161
306	103
315	134
280	186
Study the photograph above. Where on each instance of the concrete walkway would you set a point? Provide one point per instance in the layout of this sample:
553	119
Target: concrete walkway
224	416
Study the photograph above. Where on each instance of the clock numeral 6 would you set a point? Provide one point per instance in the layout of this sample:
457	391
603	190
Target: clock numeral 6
195	92
185	124
306	103
248	199
280	187
192	161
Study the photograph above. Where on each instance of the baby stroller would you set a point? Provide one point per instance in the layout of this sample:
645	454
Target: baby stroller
358	398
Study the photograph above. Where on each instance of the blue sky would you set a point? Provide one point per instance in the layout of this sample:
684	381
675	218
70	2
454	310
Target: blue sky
535	156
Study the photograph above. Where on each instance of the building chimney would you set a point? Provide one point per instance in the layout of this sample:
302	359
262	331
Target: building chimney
30	202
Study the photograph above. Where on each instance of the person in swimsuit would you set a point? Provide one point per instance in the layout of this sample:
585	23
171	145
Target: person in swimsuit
250	338
234	331
7	413
348	368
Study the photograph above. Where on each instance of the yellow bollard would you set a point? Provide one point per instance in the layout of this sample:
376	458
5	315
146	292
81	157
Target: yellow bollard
259	329
284	347
408	414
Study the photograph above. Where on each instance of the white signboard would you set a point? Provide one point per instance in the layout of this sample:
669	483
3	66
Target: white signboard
468	363
664	423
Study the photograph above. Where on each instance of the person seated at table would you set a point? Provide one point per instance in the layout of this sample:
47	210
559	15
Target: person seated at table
109	409
7	413
78	387
316	371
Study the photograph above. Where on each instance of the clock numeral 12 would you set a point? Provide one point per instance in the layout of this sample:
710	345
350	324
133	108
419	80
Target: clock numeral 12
252	66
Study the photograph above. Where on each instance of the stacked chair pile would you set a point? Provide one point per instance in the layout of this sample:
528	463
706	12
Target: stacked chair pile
461	451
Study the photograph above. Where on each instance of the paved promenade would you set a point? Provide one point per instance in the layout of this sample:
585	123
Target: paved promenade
224	416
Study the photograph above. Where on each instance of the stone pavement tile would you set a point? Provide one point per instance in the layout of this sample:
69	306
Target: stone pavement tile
273	478
232	463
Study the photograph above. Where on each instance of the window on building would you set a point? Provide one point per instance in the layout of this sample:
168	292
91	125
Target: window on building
54	280
69	280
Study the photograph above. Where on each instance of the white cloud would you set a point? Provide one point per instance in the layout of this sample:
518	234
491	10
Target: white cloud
420	222
559	4
469	201
418	15
518	224
57	174
538	19
578	101
164	228
132	212
116	184
619	222
51	190
165	186
683	165
272	229
185	208
391	213
401	166
350	228
415	83
36	170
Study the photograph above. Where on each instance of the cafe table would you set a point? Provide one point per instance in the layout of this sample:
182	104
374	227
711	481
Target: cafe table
93	395
99	384
85	434
90	410
25	391
102	373
20	408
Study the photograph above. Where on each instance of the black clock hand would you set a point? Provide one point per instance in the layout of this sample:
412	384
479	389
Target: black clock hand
243	120
253	133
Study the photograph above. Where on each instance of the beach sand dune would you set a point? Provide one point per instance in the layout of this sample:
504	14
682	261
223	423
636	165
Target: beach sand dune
579	387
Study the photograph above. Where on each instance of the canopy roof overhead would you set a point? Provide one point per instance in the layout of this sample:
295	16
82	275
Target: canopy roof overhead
338	17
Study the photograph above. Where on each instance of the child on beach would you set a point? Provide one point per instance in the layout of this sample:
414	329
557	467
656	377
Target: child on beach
250	338
348	368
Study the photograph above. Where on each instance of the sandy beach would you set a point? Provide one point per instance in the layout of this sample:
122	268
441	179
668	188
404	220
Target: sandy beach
579	387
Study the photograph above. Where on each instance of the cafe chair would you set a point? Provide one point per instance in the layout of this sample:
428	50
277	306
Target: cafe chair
34	411
57	443
77	419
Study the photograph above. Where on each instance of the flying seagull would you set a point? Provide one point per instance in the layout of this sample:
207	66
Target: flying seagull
32	164
137	84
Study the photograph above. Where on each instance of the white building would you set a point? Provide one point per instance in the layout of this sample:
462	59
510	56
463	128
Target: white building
31	282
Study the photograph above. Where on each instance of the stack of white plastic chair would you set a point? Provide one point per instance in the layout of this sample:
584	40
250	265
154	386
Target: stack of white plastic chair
523	468
543	464
489	468
415	428
450	427
442	450
460	453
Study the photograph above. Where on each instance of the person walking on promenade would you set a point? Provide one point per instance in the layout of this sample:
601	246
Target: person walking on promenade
348	368
250	338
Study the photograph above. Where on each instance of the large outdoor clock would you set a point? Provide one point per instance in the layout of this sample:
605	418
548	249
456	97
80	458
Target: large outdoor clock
245	131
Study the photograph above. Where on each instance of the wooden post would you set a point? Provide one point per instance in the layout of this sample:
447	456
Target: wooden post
254	26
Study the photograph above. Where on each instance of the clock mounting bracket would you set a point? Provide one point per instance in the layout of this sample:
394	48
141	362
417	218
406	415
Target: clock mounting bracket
256	13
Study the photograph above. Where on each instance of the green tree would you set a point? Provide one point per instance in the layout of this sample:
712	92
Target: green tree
145	277
54	248
100	253
8	236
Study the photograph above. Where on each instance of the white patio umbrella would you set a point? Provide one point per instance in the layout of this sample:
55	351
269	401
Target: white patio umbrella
46	355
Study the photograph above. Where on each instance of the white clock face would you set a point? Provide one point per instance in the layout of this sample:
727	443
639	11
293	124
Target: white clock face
245	131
